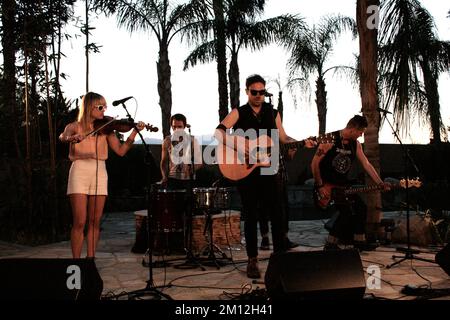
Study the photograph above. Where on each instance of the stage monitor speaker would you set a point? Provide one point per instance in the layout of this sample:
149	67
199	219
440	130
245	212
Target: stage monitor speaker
49	279
442	258
315	275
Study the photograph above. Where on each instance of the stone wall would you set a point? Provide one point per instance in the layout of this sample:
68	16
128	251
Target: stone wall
226	228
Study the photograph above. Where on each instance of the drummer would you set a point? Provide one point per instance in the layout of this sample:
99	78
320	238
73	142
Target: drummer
176	160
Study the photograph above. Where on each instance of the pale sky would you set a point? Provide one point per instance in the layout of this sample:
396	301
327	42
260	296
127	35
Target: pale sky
126	66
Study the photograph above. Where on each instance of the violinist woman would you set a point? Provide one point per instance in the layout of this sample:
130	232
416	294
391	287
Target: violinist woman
88	179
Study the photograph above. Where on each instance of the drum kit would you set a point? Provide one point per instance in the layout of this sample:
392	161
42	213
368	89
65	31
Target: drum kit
171	217
169	206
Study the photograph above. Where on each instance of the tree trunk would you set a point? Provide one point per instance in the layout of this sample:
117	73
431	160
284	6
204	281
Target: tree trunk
321	103
369	101
9	73
56	67
164	87
432	94
233	76
52	181
219	33
28	163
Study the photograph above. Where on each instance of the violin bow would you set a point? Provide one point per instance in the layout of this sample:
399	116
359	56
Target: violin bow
101	127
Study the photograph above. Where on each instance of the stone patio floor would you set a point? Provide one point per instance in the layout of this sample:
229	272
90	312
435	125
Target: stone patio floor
122	271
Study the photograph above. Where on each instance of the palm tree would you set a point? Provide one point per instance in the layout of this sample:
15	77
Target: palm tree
310	52
242	31
369	101
165	21
411	59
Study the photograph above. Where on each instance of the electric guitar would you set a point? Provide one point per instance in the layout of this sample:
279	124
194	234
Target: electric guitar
236	166
339	194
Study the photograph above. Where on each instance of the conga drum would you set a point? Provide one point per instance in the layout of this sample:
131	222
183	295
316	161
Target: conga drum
168	208
212	198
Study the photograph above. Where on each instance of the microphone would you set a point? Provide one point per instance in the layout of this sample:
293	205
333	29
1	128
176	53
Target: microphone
117	102
267	94
188	126
383	111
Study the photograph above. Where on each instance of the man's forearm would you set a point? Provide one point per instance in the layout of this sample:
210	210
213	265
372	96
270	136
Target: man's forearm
316	174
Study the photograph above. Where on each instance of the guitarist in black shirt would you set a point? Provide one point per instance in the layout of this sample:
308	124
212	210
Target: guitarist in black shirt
330	167
258	187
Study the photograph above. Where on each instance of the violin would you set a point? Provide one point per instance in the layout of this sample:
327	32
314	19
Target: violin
107	124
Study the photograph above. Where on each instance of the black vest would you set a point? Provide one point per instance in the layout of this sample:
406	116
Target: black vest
337	162
264	120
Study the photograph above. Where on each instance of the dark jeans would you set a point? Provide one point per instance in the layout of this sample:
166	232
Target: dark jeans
351	219
261	191
263	214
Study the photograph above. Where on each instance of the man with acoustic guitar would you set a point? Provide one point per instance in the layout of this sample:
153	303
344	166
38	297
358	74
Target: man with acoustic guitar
257	186
330	168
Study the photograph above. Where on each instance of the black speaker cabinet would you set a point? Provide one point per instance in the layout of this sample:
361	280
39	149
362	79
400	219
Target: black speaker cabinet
45	279
443	258
315	275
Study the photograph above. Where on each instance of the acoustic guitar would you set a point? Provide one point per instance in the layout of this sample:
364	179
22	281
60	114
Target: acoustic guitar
236	166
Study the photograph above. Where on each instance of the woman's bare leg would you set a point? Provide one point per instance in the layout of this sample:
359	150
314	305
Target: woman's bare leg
79	213
95	211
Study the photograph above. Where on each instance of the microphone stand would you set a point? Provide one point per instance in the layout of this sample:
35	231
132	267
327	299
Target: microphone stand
191	262
409	253
150	292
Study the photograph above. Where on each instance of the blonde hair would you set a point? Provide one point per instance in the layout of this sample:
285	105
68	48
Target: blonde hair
89	101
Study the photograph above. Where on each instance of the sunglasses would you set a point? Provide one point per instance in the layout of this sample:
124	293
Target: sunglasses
255	92
101	107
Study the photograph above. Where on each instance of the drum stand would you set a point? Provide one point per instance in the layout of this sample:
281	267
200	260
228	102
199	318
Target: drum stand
191	261
211	249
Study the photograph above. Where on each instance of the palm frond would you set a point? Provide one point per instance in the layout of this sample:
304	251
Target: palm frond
295	84
303	57
184	14
204	53
134	15
311	48
343	71
238	11
331	27
255	35
198	31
